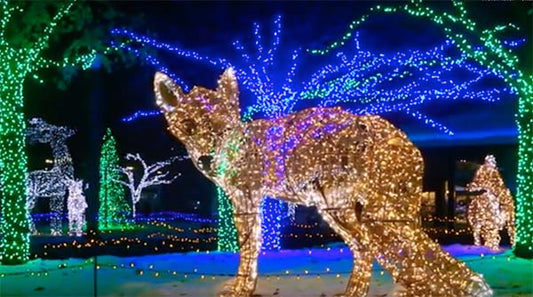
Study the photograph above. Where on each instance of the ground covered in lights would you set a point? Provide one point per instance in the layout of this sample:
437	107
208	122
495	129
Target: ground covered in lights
310	272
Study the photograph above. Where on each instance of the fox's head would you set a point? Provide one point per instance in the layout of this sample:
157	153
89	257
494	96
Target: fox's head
200	118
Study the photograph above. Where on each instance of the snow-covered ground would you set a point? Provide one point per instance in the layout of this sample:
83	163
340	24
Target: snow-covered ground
291	273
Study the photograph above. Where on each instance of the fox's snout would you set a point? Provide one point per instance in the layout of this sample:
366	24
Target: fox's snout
205	162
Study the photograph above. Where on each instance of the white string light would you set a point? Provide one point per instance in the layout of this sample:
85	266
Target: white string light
152	175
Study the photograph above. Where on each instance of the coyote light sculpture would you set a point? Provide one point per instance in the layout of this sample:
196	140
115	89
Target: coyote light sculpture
362	174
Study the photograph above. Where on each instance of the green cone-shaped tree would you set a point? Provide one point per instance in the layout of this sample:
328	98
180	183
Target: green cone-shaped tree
114	209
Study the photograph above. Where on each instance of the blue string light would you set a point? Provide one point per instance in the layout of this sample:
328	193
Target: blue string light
406	79
514	43
141	114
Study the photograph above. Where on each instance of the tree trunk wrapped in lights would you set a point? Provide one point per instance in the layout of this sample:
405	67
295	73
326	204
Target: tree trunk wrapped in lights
15	241
19	57
27	46
363	175
494	209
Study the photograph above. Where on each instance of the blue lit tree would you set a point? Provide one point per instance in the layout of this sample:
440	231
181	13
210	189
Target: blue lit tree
370	83
367	82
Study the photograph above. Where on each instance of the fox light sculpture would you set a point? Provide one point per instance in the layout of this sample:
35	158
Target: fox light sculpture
362	174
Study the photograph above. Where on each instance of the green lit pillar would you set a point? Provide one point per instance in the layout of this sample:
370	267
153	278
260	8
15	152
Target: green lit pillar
524	194
15	242
227	233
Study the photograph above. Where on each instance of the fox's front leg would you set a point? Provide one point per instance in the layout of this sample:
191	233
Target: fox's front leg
248	224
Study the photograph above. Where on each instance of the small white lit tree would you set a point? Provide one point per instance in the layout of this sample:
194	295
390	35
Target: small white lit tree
152	175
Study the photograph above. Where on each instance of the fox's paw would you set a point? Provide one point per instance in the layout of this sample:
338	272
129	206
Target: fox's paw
232	293
229	290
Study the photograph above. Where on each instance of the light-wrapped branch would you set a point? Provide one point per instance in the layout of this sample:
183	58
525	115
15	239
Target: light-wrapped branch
152	175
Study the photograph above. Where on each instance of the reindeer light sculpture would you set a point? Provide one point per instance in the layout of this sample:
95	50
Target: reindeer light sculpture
50	183
362	174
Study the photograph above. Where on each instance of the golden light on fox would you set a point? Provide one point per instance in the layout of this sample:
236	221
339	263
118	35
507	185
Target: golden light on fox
362	174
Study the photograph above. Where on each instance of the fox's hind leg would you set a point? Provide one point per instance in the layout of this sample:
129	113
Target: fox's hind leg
56	206
419	264
413	259
359	282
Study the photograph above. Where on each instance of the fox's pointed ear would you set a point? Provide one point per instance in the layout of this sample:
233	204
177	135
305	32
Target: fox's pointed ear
167	92
228	88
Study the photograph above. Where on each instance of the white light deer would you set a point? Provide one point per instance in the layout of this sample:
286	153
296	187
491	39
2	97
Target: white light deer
76	205
50	183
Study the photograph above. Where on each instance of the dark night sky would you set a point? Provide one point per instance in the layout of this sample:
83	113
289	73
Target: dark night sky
211	27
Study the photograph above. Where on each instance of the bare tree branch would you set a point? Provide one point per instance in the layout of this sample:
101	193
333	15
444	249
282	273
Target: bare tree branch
151	176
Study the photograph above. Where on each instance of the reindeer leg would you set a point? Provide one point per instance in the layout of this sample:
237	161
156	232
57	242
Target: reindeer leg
33	230
509	225
495	236
30	206
56	206
492	236
78	227
249	232
70	224
511	229
359	282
